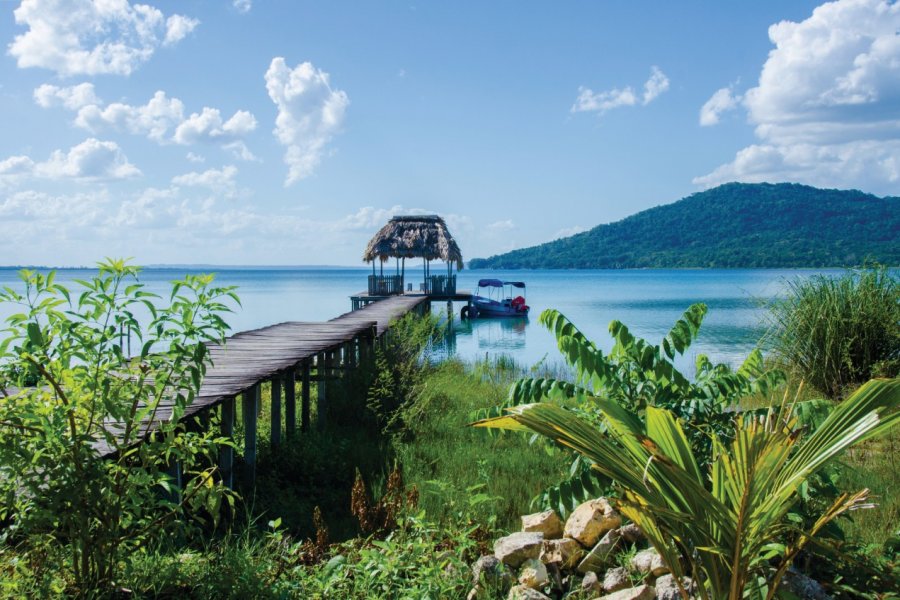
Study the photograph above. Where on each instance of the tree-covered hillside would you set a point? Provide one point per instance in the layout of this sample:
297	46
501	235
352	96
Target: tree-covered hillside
733	225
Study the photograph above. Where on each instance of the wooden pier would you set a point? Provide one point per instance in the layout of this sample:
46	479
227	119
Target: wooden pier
284	354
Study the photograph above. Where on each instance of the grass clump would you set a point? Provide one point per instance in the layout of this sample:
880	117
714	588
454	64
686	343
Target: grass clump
837	332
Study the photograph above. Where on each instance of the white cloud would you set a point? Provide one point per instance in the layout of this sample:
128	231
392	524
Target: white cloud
92	159
501	226
154	119
656	85
195	158
177	28
601	102
72	98
84	37
217	180
310	113
161	119
207	126
825	106
721	101
242	6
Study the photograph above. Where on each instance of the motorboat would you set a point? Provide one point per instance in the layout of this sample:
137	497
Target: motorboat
500	299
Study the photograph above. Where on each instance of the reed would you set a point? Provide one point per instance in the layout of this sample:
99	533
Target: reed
837	332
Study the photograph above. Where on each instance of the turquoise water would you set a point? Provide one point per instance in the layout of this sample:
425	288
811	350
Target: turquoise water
648	301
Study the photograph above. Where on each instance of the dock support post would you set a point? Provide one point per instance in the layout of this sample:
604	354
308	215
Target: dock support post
276	411
321	399
290	403
249	402
226	453
304	397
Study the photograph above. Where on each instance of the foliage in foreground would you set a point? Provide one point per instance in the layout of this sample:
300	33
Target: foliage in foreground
837	332
723	525
638	375
70	390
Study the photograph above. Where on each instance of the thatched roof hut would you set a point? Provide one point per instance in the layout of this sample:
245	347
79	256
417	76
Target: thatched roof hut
414	236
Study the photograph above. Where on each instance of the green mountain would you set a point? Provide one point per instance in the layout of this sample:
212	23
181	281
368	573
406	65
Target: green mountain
733	225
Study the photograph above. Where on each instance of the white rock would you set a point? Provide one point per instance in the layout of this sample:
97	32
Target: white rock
631	533
546	522
565	552
616	579
641	592
523	592
515	549
591	583
534	574
667	588
649	562
600	554
591	520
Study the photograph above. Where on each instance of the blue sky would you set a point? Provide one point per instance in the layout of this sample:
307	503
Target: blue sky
283	132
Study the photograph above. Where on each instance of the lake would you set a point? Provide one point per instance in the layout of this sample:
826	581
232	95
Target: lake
647	301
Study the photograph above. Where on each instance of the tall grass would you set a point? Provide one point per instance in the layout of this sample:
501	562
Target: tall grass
837	332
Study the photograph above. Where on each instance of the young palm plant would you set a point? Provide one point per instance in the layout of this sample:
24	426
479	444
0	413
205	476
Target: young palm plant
724	524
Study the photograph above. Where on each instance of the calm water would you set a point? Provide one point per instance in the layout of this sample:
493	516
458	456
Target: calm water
648	301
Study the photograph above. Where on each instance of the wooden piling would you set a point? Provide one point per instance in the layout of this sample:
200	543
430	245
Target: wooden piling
249	402
290	403
304	397
226	453
276	411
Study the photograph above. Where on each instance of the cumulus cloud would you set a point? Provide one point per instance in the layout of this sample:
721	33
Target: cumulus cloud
569	232
310	113
92	159
722	101
601	102
501	226
161	119
242	6
825	105
208	126
84	37
218	180
72	98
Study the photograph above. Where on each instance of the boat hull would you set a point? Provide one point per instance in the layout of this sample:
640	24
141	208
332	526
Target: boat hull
486	307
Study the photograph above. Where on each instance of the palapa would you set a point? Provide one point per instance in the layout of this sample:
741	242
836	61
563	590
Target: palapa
414	236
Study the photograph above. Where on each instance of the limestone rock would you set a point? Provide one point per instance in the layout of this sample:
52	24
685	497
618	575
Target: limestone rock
489	571
631	533
600	554
515	549
616	579
523	592
591	584
591	520
667	587
533	574
565	552
649	562
546	522
641	592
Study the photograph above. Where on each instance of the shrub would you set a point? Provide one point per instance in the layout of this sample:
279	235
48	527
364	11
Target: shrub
71	395
837	332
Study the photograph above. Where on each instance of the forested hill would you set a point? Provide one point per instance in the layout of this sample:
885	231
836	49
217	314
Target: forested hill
733	225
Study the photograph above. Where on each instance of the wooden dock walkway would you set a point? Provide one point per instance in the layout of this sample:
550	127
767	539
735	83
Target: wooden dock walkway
284	354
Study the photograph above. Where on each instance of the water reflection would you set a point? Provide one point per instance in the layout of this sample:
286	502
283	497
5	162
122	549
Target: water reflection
497	335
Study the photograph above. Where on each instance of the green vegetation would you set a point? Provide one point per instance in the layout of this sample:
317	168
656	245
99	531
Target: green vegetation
70	390
733	225
836	333
396	497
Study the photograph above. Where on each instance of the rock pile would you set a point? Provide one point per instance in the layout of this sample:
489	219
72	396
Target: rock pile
580	556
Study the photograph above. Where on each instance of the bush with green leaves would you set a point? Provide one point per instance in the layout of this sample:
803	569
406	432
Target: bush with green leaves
72	395
837	332
724	524
638	375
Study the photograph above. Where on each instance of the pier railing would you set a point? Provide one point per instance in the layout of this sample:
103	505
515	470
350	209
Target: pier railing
385	285
440	285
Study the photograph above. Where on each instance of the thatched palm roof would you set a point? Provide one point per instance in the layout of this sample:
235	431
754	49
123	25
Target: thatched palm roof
415	236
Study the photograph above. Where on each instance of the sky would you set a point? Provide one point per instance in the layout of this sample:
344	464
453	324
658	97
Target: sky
282	132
